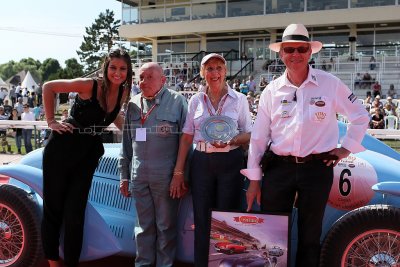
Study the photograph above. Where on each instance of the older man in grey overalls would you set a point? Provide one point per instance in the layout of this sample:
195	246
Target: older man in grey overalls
153	124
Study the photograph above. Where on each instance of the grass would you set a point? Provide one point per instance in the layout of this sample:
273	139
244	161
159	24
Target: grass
395	144
11	140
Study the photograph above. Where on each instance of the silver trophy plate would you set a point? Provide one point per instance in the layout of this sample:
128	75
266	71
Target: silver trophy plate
218	128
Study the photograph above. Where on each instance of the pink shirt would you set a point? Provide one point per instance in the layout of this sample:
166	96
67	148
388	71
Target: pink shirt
302	121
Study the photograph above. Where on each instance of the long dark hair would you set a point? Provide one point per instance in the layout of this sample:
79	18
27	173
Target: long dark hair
117	53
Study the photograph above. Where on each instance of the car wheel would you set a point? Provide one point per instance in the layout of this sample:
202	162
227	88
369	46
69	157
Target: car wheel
368	236
20	244
231	251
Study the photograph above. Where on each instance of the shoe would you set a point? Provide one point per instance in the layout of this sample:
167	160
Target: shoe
19	151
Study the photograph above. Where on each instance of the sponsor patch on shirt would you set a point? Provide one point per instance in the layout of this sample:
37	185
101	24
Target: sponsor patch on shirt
285	102
314	99
352	98
320	103
285	114
313	78
164	129
320	115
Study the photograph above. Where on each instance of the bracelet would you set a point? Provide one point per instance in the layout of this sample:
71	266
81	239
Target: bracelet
178	172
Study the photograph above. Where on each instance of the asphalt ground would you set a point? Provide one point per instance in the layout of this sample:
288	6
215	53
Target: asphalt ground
9	158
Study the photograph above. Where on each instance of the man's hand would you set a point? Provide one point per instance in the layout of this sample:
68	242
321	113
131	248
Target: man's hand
253	192
177	188
124	188
340	153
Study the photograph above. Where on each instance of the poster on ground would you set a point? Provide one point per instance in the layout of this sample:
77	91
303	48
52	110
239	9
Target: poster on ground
249	239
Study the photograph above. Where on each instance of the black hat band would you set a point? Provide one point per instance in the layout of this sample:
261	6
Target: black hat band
295	38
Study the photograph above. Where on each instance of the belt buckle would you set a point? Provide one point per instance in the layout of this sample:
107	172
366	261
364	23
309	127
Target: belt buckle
299	160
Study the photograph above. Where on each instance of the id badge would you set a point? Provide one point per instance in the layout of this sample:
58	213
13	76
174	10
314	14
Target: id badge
140	135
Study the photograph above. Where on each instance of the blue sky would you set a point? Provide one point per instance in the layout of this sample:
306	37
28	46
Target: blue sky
47	28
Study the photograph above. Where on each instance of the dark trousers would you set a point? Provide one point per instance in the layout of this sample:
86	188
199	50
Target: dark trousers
27	136
312	181
216	183
69	162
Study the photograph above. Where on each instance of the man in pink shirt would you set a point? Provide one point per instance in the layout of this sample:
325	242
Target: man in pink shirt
296	121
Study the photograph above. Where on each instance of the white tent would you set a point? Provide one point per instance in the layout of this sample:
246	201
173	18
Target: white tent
28	82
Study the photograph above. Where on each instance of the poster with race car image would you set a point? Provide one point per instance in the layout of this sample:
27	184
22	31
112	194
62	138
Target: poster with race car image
249	239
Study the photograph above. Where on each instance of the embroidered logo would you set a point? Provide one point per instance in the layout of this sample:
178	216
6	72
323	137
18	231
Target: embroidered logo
285	114
320	103
320	115
352	98
313	78
314	99
164	129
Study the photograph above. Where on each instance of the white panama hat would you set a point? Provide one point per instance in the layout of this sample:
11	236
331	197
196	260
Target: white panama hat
296	33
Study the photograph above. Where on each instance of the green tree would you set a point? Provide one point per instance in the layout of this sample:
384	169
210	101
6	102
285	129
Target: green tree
48	67
98	40
29	64
72	70
7	69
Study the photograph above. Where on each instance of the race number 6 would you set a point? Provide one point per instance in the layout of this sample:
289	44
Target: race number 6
344	183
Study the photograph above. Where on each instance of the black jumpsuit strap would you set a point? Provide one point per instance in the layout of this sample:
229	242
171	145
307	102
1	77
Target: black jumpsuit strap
94	90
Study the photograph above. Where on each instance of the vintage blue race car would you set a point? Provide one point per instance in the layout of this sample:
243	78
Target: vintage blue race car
361	224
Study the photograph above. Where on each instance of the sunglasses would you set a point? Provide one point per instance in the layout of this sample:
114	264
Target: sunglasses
300	49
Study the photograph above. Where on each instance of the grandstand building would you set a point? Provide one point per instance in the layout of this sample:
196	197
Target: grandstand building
352	31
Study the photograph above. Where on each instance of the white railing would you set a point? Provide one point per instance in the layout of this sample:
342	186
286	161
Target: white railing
39	125
35	125
384	134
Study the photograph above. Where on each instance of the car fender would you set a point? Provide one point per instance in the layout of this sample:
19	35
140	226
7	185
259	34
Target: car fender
391	188
28	175
98	242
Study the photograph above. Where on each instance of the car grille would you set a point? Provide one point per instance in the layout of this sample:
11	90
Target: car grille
117	230
106	192
108	167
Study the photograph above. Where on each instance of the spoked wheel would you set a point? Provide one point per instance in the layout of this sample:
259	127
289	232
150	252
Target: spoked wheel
12	236
366	237
373	248
19	228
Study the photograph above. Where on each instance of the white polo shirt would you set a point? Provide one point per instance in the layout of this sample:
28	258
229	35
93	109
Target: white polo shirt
302	121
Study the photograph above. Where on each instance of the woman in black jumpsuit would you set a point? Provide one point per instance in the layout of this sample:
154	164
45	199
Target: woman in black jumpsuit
73	150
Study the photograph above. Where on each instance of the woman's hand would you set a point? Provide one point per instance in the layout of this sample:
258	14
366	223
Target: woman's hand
61	127
177	188
219	144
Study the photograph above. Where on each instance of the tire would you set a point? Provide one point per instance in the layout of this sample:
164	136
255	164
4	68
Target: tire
368	236
20	244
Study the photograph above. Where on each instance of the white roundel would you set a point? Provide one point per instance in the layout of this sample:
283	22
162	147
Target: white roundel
351	188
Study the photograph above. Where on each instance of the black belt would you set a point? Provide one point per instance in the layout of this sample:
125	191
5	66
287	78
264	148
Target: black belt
308	158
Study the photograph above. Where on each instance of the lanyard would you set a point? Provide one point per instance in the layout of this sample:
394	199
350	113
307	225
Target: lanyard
143	117
220	105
